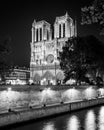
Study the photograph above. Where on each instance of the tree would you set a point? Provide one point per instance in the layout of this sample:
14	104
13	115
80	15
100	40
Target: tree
5	50
94	13
79	55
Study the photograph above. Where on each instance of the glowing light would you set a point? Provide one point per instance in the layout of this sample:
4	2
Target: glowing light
30	81
90	123
71	81
101	91
101	119
43	81
90	93
9	98
71	95
73	123
17	81
47	94
49	126
9	89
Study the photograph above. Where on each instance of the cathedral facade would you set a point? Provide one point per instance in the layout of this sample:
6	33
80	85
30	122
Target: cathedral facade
45	48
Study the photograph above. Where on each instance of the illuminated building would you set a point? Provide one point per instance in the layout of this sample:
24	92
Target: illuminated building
45	48
18	76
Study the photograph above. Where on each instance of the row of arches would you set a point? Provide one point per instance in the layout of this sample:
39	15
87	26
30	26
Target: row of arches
48	77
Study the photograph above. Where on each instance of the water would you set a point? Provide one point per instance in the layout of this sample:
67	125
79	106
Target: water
88	119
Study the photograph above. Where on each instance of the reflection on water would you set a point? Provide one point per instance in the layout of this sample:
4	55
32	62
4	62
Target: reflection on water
49	126
90	123
73	123
101	119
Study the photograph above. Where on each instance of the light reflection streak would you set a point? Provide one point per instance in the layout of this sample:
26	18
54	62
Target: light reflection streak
73	123
49	126
101	119
90	123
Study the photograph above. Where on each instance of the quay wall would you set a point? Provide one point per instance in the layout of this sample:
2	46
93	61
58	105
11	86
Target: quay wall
45	111
42	87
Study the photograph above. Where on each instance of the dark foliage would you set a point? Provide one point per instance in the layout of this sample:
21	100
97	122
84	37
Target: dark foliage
94	13
5	50
80	55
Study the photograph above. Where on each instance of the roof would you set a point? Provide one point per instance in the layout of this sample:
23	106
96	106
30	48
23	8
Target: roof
66	16
42	22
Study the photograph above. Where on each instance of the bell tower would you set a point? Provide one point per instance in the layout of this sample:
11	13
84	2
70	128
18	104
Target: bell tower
64	27
41	31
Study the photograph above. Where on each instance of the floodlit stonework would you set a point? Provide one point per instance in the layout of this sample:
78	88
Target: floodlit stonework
44	64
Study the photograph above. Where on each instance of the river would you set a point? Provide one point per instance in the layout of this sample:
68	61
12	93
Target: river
88	119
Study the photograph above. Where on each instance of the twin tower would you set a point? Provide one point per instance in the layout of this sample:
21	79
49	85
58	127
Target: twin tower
45	47
64	26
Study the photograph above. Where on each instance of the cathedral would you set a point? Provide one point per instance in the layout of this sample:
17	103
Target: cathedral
45	47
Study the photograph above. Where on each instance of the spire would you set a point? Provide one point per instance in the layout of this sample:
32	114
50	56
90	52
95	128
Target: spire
34	23
66	14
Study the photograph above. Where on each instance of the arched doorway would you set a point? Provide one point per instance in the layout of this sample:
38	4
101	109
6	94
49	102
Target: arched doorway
37	78
59	77
48	78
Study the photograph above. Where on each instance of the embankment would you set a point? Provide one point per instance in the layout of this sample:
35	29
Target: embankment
36	113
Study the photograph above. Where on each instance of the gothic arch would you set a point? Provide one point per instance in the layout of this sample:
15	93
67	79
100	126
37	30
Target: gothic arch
60	76
48	75
59	30
36	78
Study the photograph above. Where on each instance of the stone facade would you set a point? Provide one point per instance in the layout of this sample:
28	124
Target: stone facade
44	64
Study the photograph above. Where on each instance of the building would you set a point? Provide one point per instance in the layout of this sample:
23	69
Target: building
44	64
17	76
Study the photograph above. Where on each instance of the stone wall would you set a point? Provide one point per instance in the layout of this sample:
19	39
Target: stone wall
35	113
41	87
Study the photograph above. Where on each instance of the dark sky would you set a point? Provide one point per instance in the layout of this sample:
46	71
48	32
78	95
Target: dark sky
16	21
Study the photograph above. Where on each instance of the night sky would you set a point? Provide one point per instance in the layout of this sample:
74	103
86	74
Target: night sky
16	21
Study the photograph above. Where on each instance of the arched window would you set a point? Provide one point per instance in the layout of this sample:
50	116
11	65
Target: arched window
40	34
47	35
40	61
57	53
64	30
59	30
37	35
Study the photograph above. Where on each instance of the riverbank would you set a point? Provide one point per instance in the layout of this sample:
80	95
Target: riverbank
14	116
42	87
